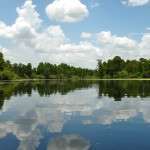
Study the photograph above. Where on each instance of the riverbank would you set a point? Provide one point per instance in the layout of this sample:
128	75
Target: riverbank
90	79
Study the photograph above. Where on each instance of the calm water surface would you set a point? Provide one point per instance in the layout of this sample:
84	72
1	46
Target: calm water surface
82	115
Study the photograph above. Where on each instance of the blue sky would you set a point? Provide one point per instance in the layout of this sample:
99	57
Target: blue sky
127	23
109	15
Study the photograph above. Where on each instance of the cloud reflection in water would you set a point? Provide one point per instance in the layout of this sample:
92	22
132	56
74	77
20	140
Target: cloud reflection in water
22	116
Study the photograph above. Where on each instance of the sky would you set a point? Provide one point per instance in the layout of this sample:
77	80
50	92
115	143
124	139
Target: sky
76	32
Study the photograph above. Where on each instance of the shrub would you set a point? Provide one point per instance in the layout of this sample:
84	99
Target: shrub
7	75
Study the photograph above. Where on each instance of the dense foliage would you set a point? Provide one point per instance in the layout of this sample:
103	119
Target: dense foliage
119	68
10	71
113	68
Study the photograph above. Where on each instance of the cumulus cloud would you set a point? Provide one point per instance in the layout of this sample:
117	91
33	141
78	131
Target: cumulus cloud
106	38
3	50
135	3
113	45
67	11
26	23
27	38
145	41
123	46
86	35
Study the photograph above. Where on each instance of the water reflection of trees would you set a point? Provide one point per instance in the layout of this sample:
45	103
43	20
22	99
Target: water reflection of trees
115	89
120	89
44	88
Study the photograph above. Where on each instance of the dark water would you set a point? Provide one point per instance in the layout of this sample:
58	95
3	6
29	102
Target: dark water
50	115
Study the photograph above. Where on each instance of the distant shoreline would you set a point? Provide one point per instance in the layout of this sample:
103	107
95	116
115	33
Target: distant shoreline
148	79
88	79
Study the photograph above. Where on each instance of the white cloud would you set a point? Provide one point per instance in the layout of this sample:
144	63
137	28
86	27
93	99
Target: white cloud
67	10
123	46
106	38
3	50
27	38
86	35
135	3
128	48
27	22
144	44
113	45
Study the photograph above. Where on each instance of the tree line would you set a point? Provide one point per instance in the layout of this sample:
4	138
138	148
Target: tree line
44	70
112	68
119	68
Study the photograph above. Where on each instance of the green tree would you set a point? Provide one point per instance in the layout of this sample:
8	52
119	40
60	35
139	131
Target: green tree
2	62
29	70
